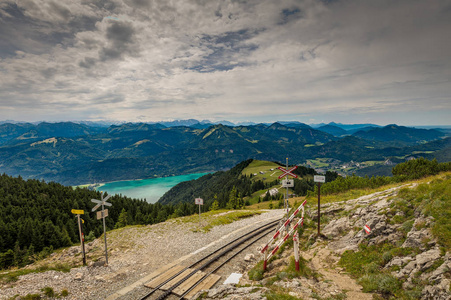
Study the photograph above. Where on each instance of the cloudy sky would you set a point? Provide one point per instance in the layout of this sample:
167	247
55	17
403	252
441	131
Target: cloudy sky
311	61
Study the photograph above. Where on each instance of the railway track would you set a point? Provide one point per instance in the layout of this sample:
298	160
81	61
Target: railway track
200	270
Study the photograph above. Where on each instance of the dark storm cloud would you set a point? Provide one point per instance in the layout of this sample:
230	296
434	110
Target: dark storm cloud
60	10
289	14
16	33
120	40
49	73
226	51
139	3
87	62
21	31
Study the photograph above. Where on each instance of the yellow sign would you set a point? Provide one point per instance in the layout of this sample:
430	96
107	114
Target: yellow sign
78	211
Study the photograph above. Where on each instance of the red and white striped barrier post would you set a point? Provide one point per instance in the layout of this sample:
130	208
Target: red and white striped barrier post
287	222
296	249
300	222
284	225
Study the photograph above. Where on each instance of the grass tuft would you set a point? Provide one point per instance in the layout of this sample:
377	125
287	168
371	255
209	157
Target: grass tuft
12	276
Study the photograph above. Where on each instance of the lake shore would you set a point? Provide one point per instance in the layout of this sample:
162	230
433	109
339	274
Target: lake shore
151	189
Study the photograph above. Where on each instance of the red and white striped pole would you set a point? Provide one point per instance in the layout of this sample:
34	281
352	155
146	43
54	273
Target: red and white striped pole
300	222
284	225
296	249
287	222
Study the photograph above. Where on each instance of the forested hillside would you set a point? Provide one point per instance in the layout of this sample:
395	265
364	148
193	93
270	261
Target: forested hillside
224	185
35	217
76	154
413	169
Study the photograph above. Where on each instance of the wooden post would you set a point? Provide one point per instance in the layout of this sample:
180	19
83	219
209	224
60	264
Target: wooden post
319	213
82	240
104	234
83	243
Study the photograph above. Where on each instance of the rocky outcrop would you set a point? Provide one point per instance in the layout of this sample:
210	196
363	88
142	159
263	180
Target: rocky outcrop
428	263
229	292
416	237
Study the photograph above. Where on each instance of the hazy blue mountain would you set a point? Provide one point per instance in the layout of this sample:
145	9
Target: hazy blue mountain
346	127
104	124
294	124
30	132
334	130
188	122
201	125
367	128
400	135
9	131
443	128
353	126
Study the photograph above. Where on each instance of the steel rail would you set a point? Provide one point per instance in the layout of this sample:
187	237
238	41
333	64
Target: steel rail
223	263
169	291
268	225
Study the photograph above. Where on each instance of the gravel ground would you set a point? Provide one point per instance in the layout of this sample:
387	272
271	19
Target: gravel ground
137	252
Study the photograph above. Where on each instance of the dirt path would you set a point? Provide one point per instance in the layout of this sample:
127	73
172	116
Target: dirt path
324	261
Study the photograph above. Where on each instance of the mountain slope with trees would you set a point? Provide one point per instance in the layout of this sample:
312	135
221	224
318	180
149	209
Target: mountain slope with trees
75	154
400	135
235	184
35	217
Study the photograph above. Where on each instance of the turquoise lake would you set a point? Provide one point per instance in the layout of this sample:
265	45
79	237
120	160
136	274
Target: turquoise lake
149	189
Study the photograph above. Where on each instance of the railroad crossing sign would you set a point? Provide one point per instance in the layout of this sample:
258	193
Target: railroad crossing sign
101	202
288	172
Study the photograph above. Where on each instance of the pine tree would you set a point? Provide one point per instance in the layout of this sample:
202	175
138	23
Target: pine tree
123	219
215	204
232	204
65	241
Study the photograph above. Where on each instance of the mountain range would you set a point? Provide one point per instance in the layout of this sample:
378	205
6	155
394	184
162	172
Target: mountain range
74	153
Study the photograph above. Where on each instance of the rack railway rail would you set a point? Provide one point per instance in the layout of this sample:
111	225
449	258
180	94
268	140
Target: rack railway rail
187	281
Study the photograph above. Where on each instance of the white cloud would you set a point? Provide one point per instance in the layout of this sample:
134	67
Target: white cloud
232	60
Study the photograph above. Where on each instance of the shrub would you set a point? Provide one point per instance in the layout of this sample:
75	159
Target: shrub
380	283
256	273
48	291
31	297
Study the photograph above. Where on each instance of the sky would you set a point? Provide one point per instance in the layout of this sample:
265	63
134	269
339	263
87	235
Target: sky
310	61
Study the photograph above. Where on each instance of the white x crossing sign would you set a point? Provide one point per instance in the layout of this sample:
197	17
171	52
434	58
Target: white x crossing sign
288	172
101	202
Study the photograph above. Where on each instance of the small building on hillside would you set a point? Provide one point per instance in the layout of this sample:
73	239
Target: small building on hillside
272	192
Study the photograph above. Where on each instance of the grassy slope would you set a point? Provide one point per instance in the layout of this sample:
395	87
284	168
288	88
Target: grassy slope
257	166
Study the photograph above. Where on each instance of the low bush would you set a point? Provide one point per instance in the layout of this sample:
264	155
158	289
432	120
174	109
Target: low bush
256	273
